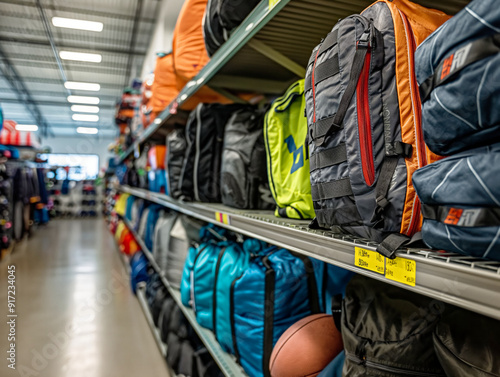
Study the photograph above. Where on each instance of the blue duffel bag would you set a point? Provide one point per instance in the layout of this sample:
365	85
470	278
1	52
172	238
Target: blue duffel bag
458	72
208	234
232	264
275	291
204	276
460	198
331	281
334	369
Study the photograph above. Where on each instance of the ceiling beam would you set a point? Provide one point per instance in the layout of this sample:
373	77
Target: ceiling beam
17	85
52	103
52	43
35	93
35	42
93	41
108	70
43	80
133	38
85	12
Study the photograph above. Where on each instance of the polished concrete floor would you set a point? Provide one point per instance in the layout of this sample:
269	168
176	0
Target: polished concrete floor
76	314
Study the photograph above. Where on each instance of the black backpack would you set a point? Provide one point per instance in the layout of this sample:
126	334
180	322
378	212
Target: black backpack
468	344
387	331
244	182
176	148
221	17
200	177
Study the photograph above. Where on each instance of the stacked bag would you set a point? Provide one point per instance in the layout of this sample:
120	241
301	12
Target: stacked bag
248	294
220	157
456	71
221	17
391	332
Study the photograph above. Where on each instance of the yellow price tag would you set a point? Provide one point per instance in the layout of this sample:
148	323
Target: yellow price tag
369	260
223	218
272	3
401	270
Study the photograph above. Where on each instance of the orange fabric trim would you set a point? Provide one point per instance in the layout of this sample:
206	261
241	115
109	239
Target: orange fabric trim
421	22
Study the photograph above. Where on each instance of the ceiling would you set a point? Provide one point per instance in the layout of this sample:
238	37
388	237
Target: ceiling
32	76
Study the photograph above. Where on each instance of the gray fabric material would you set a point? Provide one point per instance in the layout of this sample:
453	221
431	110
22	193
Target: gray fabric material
160	243
328	157
384	325
383	123
462	113
466	351
143	223
329	190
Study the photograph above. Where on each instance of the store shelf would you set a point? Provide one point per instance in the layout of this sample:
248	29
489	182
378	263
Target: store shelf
468	282
226	362
267	52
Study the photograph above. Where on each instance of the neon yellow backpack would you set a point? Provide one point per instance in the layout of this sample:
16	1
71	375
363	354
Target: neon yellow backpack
121	204
285	132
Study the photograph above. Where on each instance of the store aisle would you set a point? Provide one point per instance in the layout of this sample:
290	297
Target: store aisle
76	313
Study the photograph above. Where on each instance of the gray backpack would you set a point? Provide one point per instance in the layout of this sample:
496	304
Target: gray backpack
387	331
174	237
468	344
244	182
162	232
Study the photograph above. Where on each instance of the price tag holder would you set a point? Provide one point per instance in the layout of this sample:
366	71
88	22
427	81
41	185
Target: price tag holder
401	270
272	3
223	218
369	260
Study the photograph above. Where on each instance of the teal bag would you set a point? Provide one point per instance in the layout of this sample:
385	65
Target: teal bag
232	264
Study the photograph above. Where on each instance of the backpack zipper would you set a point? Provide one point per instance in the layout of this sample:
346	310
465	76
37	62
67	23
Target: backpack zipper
388	369
214	296
364	124
419	137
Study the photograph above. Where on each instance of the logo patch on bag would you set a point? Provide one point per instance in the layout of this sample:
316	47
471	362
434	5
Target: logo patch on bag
453	217
462	217
298	154
455	61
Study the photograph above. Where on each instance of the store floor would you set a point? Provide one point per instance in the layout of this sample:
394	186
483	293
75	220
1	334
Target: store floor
76	314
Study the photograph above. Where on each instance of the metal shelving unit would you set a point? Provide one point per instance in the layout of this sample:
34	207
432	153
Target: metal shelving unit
226	362
468	282
267	52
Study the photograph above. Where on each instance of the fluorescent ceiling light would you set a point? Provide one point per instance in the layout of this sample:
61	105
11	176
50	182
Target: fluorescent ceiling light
80	56
27	127
84	99
87	130
72	23
85	109
85	117
82	86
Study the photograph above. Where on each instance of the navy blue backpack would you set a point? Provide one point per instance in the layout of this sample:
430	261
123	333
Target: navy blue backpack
460	198
458	71
128	208
275	291
153	216
139	270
